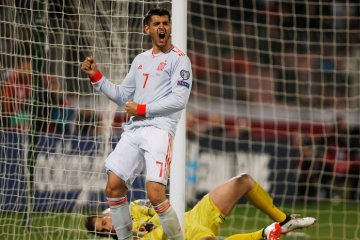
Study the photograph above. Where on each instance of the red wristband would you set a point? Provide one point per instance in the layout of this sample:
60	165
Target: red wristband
141	110
96	77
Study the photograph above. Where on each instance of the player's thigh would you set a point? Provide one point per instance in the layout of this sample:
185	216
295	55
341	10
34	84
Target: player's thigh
157	146
126	161
115	186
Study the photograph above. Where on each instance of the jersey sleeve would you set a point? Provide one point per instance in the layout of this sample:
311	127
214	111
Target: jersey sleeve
118	93
181	82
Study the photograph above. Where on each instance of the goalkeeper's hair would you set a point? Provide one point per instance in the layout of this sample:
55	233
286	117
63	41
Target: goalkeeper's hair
90	226
158	12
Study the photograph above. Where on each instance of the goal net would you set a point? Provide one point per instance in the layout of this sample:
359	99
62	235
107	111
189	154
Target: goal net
275	94
55	130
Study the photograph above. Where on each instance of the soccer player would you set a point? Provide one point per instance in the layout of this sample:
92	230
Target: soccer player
154	93
204	220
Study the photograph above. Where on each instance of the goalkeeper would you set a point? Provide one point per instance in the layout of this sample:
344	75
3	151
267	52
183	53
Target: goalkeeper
203	221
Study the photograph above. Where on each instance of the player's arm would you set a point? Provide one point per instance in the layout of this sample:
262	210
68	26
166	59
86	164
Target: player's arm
181	82
117	93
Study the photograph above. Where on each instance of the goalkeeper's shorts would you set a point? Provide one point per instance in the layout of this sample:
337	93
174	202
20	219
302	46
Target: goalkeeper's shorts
203	220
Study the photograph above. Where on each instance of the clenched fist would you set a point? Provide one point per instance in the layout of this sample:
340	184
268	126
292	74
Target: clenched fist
88	66
131	108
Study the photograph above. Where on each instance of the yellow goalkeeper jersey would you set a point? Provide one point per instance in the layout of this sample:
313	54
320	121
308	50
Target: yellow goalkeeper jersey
201	221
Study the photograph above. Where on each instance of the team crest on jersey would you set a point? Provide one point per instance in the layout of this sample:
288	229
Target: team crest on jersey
161	66
139	67
185	75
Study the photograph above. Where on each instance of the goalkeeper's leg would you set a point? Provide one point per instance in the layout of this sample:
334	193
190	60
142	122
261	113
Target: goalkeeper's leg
247	236
262	200
258	197
271	232
226	195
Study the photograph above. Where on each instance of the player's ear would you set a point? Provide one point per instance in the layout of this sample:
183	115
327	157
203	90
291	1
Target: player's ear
146	29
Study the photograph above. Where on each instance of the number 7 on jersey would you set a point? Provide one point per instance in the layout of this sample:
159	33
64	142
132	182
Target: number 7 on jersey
146	76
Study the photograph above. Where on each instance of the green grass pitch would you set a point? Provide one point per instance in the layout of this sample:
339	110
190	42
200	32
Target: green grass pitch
335	222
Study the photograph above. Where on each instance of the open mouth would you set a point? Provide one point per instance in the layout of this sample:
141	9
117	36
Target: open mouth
161	35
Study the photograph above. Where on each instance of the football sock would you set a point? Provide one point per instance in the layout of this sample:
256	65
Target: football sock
262	200
121	217
247	236
288	218
169	221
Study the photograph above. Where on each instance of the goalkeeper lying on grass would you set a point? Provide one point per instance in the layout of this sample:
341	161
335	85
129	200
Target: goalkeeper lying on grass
203	221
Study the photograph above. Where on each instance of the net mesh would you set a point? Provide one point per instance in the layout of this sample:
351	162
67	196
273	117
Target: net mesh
275	94
55	129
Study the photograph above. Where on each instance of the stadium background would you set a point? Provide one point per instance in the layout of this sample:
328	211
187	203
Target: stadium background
266	74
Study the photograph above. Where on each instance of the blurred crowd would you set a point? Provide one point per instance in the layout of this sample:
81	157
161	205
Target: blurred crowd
326	156
26	102
302	53
329	164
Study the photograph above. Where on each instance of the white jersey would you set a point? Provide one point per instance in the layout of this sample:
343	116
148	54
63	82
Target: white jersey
162	82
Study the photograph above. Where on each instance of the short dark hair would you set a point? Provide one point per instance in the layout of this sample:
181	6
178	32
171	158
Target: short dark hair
90	226
157	12
90	223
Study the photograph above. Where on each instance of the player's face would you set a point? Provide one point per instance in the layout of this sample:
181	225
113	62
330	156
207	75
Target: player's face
159	30
104	224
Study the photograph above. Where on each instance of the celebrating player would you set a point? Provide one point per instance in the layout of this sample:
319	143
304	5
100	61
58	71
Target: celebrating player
203	221
154	93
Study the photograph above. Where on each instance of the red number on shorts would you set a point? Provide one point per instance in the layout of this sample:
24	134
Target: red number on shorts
161	168
146	75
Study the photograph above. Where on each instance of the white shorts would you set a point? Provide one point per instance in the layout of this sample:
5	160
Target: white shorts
144	149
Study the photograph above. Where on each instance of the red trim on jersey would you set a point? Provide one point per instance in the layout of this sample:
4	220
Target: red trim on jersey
96	77
155	54
178	51
119	202
141	110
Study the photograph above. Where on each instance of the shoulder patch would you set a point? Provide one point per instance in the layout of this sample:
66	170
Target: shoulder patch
184	74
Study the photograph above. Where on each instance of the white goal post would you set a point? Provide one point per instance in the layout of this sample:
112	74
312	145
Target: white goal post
177	168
